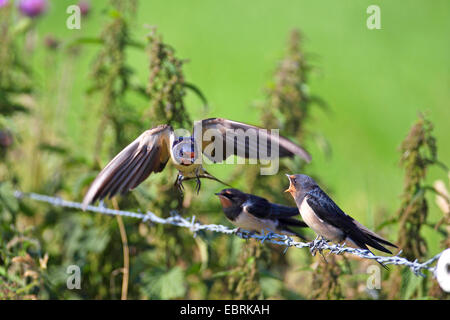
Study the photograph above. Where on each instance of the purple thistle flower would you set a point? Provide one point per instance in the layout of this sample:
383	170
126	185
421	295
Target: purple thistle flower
3	3
32	8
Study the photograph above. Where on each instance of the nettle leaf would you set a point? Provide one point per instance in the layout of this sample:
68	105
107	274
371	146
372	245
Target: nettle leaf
410	284
84	237
270	286
163	284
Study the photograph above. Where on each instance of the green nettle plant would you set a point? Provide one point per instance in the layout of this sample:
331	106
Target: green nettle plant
418	153
166	90
287	106
22	273
166	85
15	77
244	280
111	78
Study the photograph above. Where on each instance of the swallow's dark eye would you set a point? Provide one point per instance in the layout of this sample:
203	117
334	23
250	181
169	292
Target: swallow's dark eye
181	153
294	181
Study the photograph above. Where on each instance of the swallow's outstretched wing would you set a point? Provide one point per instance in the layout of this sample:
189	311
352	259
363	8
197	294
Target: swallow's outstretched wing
148	153
234	141
328	211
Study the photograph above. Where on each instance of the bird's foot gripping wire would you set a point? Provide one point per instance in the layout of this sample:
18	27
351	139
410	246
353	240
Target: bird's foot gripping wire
179	183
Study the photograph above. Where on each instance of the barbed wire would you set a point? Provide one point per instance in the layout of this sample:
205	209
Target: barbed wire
283	240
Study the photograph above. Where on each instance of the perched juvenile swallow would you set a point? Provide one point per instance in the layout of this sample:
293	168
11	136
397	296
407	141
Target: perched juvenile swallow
322	215
151	151
257	214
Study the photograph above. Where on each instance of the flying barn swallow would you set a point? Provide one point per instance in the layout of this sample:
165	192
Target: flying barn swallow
257	214
326	219
151	151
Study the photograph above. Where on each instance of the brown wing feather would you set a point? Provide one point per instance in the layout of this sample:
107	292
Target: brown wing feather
148	153
286	147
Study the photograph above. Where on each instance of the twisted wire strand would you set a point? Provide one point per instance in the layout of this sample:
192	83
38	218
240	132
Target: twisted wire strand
283	240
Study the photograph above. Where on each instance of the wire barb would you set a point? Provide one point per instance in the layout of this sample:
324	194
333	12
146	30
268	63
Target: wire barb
283	240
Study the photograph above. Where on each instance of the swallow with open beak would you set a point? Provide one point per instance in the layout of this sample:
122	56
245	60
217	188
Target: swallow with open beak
327	220
215	138
257	214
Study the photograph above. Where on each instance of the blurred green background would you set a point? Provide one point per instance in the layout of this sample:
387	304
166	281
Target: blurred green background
375	83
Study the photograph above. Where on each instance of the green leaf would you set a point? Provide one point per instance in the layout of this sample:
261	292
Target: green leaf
162	284
410	284
270	286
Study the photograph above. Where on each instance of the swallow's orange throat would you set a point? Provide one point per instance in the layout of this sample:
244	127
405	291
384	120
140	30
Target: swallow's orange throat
291	189
226	203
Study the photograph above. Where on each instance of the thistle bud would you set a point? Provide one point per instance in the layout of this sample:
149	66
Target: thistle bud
85	7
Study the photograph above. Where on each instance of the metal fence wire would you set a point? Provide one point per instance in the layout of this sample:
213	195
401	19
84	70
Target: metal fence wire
194	226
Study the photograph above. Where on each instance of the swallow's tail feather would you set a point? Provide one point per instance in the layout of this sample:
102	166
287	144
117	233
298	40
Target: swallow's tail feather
358	241
362	240
377	238
291	232
292	222
373	236
285	223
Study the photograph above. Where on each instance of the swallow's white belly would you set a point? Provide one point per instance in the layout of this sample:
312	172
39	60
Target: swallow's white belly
319	226
249	222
